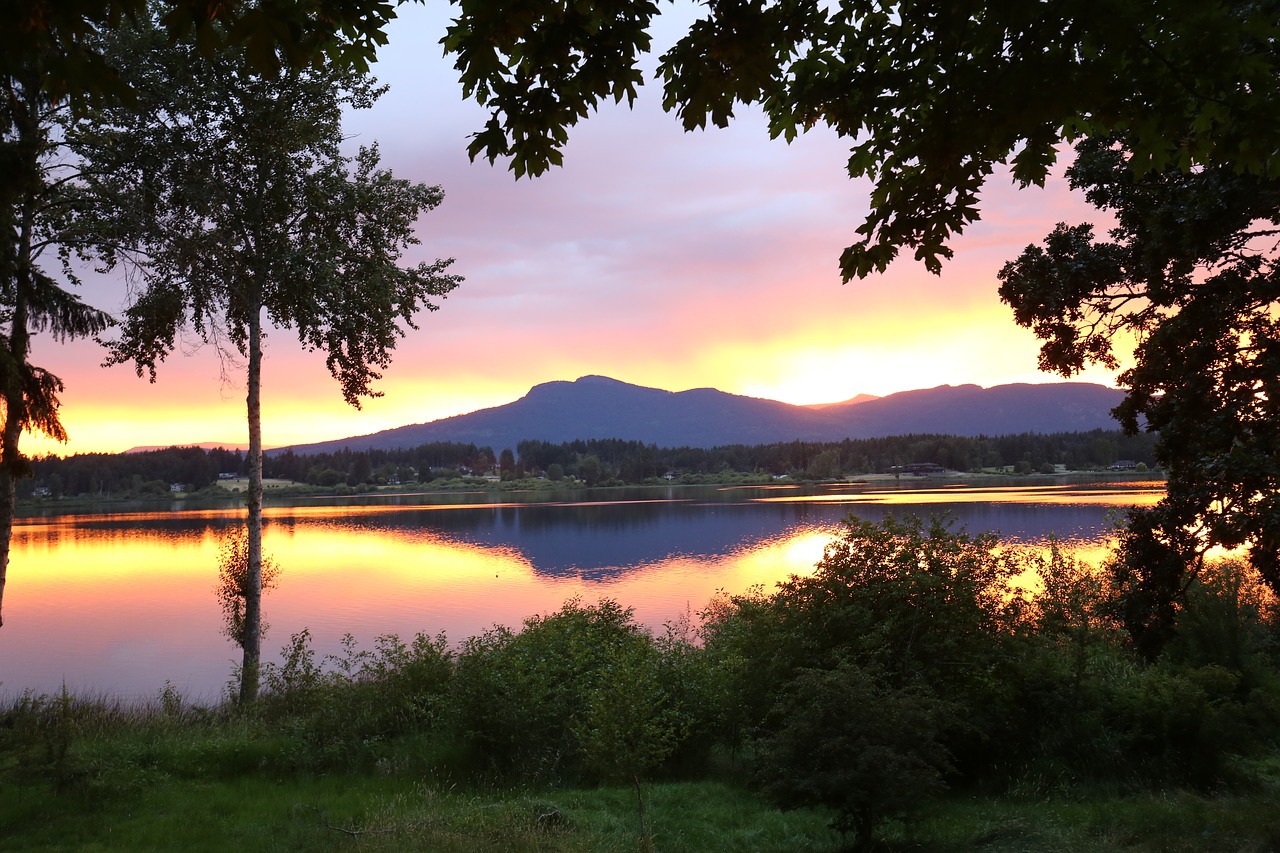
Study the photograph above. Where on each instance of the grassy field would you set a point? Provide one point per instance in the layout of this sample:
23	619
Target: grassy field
239	484
144	780
256	811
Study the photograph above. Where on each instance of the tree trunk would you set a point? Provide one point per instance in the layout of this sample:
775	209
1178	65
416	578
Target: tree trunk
251	668
864	833
10	460
646	843
12	464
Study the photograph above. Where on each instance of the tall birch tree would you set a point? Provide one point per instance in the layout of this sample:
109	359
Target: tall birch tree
241	213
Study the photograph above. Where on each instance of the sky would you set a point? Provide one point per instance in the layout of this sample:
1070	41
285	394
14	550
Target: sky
657	257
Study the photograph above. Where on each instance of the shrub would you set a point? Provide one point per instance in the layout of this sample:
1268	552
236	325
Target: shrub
1228	618
347	710
844	739
914	604
539	704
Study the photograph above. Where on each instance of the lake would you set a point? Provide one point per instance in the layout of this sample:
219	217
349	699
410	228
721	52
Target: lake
117	603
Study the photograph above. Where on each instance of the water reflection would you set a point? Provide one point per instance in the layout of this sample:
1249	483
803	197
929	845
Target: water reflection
120	602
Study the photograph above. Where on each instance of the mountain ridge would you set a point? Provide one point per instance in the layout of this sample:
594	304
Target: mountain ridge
599	407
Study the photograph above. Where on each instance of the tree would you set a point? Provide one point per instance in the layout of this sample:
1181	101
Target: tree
272	218
1192	273
52	63
932	95
627	725
37	193
845	740
66	33
506	464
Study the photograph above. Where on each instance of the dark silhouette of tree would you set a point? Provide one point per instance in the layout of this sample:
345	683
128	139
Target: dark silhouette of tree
1190	271
37	196
66	34
932	95
53	61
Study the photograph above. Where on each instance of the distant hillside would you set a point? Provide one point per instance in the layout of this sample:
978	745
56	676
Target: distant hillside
203	445
861	398
971	410
599	407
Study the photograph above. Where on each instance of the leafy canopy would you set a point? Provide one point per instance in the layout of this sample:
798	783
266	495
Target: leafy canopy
1191	272
66	35
38	238
269	215
931	95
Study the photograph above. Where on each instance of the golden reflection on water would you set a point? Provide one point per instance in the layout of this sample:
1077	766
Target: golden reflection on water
1125	495
123	602
125	609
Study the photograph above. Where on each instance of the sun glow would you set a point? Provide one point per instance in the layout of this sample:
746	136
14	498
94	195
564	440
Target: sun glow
809	372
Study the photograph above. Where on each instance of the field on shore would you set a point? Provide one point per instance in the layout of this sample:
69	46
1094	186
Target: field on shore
193	788
239	484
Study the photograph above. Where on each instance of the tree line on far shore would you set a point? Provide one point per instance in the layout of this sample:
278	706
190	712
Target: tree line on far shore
591	461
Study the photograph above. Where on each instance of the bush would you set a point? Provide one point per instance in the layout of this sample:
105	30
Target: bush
917	605
540	704
1092	710
844	739
1229	618
347	710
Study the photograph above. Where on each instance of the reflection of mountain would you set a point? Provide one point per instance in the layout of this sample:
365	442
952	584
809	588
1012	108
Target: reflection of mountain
610	540
599	407
598	541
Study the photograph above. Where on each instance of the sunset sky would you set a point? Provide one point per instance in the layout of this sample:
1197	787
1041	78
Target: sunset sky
656	257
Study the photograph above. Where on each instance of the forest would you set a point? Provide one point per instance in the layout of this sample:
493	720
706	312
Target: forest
591	462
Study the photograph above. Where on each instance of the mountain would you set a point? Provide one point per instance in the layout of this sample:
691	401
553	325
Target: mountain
599	407
203	445
861	398
973	410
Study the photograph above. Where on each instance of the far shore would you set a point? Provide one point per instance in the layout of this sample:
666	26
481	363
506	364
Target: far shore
278	489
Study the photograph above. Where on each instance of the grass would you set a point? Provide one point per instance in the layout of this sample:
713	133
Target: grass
198	780
240	484
263	812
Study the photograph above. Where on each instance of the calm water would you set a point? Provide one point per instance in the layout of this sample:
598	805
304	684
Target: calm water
118	603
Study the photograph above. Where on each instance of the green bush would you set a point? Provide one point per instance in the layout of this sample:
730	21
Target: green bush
1093	710
348	710
916	604
846	740
539	704
1228	618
